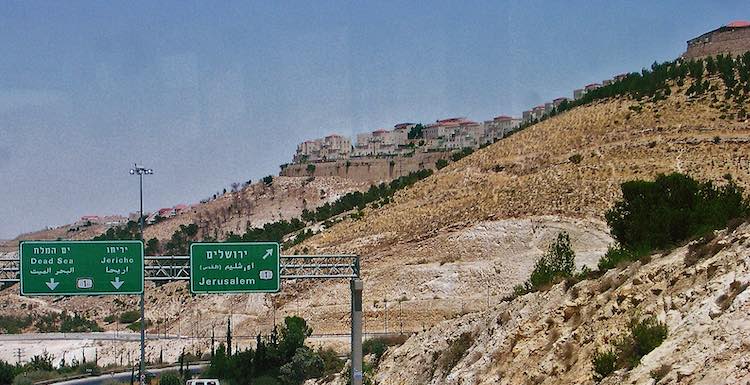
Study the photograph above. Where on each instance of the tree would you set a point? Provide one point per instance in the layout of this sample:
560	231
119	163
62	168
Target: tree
415	132
293	336
310	169
219	366
7	372
229	336
152	247
670	209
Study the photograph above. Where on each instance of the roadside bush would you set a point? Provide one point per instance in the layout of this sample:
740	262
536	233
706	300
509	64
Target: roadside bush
136	326
7	372
604	363
332	364
374	346
456	351
441	163
10	324
303	365
129	316
170	378
22	380
65	323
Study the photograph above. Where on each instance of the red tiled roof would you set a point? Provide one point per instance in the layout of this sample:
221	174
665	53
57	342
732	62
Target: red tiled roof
560	99
503	117
593	85
380	131
739	24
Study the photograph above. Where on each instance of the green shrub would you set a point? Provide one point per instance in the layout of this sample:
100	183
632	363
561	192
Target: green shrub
10	324
136	326
617	254
576	158
466	151
130	316
604	363
22	380
310	168
672	209
65	323
170	378
7	372
456	351
332	364
645	335
557	263
441	163
304	364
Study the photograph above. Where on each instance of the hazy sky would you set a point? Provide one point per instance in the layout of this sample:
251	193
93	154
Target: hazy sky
209	93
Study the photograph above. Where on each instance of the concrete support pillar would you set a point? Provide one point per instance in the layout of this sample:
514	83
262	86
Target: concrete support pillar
356	343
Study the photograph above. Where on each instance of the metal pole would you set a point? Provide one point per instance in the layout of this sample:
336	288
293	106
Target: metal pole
356	334
142	374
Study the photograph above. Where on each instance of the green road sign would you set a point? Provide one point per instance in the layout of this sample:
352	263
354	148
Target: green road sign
81	267
234	267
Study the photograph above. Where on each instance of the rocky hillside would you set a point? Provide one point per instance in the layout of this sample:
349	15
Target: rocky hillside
550	337
458	241
255	205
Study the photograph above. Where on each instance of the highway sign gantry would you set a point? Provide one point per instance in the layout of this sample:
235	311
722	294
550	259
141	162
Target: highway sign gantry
81	267
241	267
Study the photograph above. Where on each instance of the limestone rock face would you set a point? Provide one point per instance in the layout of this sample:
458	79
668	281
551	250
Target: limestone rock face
550	337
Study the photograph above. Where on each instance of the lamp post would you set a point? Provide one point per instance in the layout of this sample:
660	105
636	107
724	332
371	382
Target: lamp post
141	171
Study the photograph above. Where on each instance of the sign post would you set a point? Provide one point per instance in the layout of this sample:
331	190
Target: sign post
247	267
81	267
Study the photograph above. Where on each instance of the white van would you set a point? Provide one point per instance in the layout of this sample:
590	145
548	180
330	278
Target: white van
203	381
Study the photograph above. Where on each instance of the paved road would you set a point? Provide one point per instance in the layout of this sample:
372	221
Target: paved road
104	336
125	376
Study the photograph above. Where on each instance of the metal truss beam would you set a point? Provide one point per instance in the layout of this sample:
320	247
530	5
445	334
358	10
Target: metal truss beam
167	268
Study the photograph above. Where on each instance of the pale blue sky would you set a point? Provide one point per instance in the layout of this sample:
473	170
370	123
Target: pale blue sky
208	93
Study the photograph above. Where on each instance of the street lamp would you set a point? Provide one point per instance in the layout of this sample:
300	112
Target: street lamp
141	171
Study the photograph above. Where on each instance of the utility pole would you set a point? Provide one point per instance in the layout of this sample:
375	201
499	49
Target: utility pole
140	171
385	300
18	356
400	319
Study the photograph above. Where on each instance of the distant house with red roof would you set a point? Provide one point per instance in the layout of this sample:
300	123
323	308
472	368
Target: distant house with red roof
732	38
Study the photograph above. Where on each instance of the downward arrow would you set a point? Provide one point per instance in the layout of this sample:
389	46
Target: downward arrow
117	283
269	252
52	284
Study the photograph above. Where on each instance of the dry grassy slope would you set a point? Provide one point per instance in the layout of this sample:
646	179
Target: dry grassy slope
260	204
536	177
550	337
